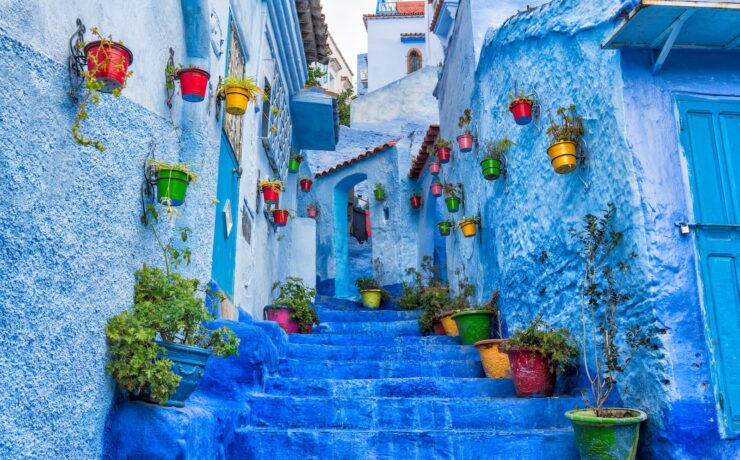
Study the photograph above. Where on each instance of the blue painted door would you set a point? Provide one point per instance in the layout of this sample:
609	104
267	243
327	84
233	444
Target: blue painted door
224	238
710	131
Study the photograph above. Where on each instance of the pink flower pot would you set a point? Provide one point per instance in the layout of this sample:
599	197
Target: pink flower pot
465	142
436	189
282	317
435	167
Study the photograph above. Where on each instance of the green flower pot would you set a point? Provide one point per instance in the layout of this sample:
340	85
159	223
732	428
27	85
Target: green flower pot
294	165
171	186
491	168
445	228
453	204
474	325
380	195
606	438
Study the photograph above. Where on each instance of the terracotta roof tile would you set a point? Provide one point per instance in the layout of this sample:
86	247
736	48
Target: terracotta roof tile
360	157
435	16
421	159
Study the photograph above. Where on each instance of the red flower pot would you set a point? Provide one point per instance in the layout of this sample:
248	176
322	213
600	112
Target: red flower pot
193	83
282	317
444	155
280	217
435	167
522	111
110	62
415	202
465	142
306	185
271	194
531	372
436	189
439	329
312	212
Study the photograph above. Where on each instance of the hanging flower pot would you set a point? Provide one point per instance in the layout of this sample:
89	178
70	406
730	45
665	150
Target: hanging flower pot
436	188
495	361
491	168
415	201
379	192
312	211
444	155
445	228
469	227
306	183
522	110
295	163
465	142
271	191
109	63
609	436
280	217
193	83
474	325
453	204
531	372
238	92
435	167
563	157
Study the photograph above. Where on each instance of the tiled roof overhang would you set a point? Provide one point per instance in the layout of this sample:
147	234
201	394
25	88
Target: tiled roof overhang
435	15
421	159
314	30
378	149
365	17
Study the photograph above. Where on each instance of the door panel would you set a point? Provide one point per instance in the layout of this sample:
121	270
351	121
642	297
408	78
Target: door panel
224	237
710	135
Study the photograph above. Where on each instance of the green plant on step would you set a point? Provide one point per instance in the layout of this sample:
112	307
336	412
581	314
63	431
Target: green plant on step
413	290
556	345
465	120
436	302
93	87
295	294
375	282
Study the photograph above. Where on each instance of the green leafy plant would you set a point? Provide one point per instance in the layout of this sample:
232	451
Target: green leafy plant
556	345
442	144
612	347
465	120
295	294
297	157
380	186
315	74
375	282
435	302
93	87
519	96
411	297
497	150
248	84
452	190
416	193
344	103
568	128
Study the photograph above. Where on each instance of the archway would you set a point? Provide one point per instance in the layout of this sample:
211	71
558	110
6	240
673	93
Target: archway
344	277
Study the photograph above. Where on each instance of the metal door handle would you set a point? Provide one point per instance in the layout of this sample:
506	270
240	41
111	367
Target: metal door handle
685	227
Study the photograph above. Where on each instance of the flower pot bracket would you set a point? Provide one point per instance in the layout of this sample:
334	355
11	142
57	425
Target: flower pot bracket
170	75
77	61
148	183
581	149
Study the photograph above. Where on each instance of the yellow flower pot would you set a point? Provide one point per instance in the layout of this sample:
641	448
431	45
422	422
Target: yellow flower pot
495	362
450	325
237	100
563	157
468	227
371	298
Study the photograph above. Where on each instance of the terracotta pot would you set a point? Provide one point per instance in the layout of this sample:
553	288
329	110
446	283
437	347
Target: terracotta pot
531	372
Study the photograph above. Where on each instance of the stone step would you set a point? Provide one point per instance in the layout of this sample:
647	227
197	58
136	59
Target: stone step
366	340
256	443
299	368
349	412
382	353
439	387
327	314
371	328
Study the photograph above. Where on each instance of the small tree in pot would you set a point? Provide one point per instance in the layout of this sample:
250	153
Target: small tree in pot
292	309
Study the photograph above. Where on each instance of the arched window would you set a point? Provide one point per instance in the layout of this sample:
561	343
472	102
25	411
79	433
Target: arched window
414	61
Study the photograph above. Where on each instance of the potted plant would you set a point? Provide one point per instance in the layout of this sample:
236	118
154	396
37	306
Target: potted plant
452	193
312	211
238	93
415	199
158	350
565	137
465	140
107	72
295	163
536	355
371	287
458	303
469	226
280	217
193	82
436	188
494	359
445	227
443	150
292	308
306	183
520	105
379	192
271	190
607	347
494	158
172	181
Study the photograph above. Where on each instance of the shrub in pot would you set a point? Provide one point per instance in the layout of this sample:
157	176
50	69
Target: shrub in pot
428	278
607	348
292	308
436	188
445	227
457	303
494	158
520	105
415	199
295	162
443	150
494	359
306	183
371	287
158	350
465	140
452	193
379	192
238	93
271	190
565	133
469	226
536	355
172	181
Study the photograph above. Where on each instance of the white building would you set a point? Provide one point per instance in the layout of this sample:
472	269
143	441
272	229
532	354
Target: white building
399	41
338	76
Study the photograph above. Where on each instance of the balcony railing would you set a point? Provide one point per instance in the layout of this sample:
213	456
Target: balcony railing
401	7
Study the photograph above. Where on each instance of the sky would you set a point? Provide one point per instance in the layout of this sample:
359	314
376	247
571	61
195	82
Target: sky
344	18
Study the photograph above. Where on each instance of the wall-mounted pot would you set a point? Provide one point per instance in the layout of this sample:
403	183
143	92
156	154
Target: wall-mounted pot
563	156
193	83
444	154
280	217
491	168
453	204
465	142
110	61
306	185
522	111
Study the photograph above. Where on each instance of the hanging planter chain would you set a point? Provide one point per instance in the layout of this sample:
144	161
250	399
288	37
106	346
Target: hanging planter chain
77	61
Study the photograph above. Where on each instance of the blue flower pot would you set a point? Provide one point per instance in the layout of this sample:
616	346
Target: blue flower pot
187	362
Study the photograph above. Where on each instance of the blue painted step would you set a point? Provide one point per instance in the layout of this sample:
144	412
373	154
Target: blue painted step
378	369
348	412
370	353
256	443
436	387
372	328
327	314
378	341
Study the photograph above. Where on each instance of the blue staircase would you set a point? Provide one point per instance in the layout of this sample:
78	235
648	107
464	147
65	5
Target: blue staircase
367	385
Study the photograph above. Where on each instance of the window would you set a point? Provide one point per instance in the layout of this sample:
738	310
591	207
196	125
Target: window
413	60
